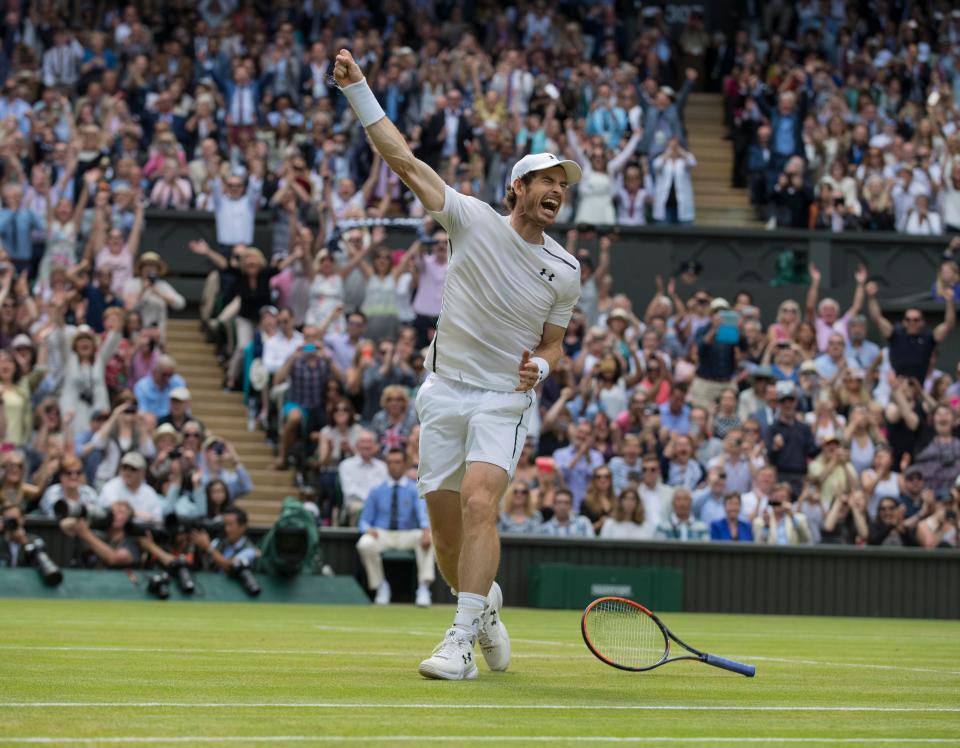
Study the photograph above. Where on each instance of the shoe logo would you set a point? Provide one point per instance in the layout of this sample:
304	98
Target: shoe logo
544	273
467	657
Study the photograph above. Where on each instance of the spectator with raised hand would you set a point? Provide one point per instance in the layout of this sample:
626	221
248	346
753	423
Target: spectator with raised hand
846	521
939	459
673	187
663	115
780	524
235	205
888	527
221	462
565	523
597	187
731	527
577	461
708	501
911	346
826	314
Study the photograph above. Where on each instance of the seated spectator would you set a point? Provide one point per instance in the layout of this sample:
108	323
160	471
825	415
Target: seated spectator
599	501
12	539
681	524
681	469
563	523
940	458
153	392
708	502
131	488
888	528
846	521
725	418
221	462
394	517
657	497
880	480
832	472
627	468
110	548
359	475
125	430
917	500
734	462
395	419
518	514
179	415
72	489
780	524
940	529
730	526
809	505
224	553
14	487
628	520
675	413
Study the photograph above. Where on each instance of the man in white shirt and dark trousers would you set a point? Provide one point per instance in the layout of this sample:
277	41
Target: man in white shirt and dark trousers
509	294
235	210
394	517
359	475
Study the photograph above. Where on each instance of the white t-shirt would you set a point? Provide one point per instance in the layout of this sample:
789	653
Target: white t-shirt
499	293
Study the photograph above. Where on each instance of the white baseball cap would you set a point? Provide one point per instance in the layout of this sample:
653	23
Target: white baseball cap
541	161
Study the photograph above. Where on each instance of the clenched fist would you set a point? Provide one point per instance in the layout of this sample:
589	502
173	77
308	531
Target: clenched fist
346	70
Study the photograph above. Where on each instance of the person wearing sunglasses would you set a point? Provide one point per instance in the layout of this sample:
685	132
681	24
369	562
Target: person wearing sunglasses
911	344
72	489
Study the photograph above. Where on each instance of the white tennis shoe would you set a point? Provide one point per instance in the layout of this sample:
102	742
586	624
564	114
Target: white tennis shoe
493	637
452	659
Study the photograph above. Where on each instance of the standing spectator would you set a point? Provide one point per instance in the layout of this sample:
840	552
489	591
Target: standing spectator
222	463
600	498
564	523
709	501
577	461
432	272
235	210
657	497
151	296
663	116
789	441
358	475
717	358
730	526
911	346
394	517
673	186
779	524
940	458
826	314
17	224
626	468
681	524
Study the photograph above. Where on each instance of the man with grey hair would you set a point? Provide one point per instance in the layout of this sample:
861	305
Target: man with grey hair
826	315
153	392
860	352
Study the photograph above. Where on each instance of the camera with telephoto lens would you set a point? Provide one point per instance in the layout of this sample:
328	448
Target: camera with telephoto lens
179	569
175	524
159	584
100	518
63	509
10	524
36	554
242	573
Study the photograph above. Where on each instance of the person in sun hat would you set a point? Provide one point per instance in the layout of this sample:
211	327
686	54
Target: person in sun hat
149	294
508	297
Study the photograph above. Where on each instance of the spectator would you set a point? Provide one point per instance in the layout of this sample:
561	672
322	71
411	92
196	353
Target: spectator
359	475
673	196
395	420
730	526
14	487
846	521
682	470
600	498
888	528
663	115
13	539
628	520
235	208
111	548
789	441
153	392
675	413
394	517
563	523
940	458
223	554
518	513
911	346
779	524
681	524
71	489
221	462
430	258
577	462
709	501
860	352
151	296
597	188
717	358
179	415
130	488
940	528
626	469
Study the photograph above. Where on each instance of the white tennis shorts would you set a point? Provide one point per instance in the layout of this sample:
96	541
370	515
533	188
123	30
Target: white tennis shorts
460	424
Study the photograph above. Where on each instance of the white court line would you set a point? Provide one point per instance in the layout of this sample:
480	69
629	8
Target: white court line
513	707
362	653
432	634
467	739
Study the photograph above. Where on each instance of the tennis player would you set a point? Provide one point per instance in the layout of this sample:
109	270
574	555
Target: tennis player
508	297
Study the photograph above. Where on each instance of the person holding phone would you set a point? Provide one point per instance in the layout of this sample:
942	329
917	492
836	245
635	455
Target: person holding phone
720	347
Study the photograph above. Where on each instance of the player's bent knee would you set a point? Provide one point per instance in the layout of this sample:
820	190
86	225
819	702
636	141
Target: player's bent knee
479	510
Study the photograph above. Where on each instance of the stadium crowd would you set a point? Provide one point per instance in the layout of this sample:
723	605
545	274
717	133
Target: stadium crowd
689	419
844	116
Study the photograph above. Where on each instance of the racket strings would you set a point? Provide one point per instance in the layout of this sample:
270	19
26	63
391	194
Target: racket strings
625	635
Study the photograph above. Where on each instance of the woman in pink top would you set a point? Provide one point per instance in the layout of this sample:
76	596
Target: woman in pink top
114	253
432	269
826	315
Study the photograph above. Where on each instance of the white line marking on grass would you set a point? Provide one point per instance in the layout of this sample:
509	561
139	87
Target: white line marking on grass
516	707
432	634
866	665
467	739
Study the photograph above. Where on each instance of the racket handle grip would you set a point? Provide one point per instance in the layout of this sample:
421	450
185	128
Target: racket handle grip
736	667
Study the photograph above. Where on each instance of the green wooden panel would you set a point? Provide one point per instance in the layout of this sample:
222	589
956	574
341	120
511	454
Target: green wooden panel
574	586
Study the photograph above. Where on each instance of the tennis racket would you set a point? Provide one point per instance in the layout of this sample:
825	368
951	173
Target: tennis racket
627	636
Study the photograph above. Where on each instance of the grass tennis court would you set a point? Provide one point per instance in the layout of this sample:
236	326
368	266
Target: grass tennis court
192	673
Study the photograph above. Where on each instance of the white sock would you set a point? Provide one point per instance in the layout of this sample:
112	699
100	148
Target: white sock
469	611
423	587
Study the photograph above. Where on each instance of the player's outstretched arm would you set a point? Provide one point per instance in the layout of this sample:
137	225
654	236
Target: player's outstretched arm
386	138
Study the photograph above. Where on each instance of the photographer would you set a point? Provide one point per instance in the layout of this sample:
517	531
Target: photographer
111	547
223	554
14	538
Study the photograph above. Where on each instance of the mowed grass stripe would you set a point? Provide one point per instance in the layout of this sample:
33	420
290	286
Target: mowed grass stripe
466	739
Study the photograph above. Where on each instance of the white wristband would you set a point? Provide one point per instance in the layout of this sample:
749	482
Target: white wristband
364	103
543	366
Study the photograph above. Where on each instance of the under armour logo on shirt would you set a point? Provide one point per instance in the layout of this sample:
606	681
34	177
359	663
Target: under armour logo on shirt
548	275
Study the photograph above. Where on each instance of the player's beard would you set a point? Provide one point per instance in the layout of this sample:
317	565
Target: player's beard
529	210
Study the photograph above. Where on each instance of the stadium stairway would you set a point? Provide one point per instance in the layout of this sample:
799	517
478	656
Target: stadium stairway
224	414
717	203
